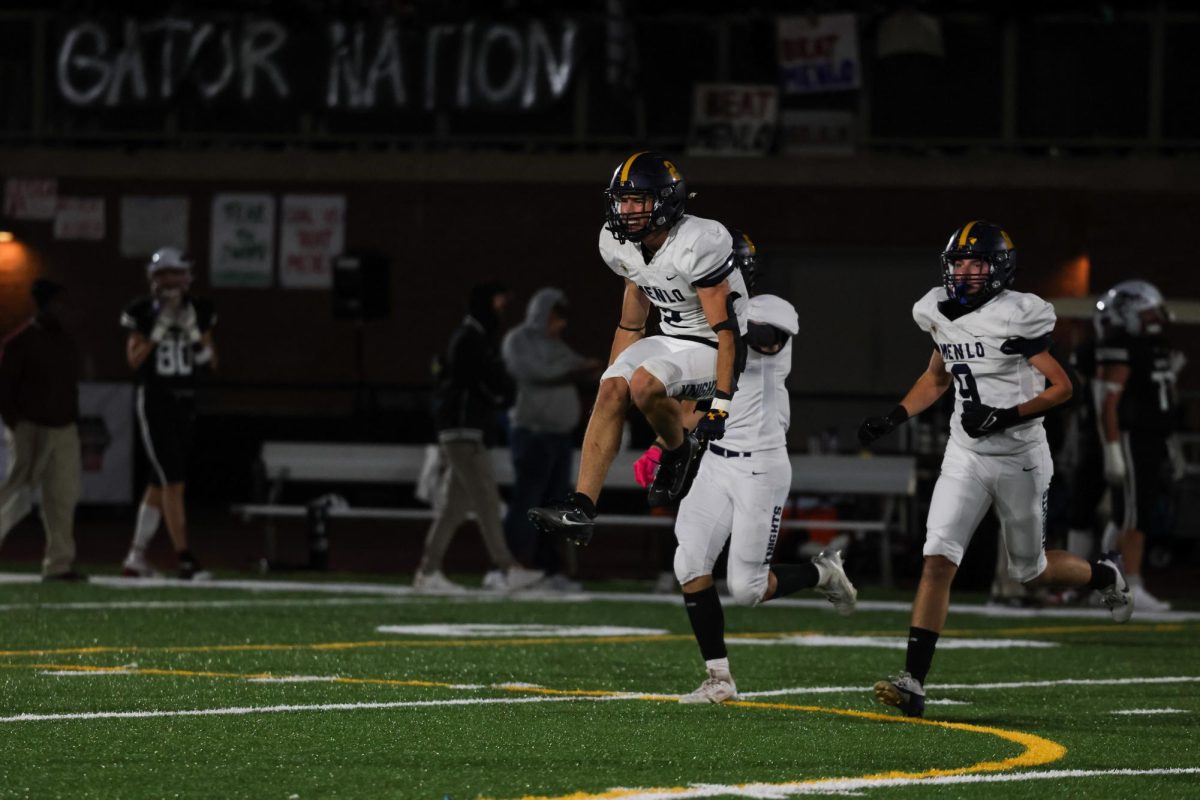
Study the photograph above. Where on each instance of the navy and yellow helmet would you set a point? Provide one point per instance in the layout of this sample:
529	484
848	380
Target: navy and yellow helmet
745	257
646	174
987	242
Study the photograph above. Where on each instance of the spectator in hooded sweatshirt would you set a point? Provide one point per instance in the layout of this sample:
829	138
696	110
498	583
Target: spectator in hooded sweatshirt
546	413
471	389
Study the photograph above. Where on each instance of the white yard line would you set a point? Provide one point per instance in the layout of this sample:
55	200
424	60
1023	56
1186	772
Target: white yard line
985	686
479	596
283	709
778	791
151	605
888	642
1136	712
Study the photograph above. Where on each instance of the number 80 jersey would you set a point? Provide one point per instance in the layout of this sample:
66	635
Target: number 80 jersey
172	364
986	352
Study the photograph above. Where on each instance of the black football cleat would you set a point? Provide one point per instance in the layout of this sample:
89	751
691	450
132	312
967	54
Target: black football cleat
565	519
672	474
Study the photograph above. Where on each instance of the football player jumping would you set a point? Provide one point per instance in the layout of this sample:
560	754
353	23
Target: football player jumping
168	346
681	265
992	345
738	494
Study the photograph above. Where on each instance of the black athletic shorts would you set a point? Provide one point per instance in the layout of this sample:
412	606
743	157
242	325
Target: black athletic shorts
1087	488
165	419
1147	479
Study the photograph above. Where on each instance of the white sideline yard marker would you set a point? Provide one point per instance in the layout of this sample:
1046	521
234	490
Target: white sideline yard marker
1149	711
283	709
777	791
1009	685
480	596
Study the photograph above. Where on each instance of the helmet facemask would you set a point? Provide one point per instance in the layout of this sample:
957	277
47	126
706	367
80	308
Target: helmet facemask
637	225
169	286
975	290
650	176
1135	306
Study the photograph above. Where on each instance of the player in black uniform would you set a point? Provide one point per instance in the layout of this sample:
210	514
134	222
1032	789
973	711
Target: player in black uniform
169	347
1087	478
1137	410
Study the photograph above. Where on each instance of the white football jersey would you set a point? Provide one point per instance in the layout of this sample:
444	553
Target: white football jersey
761	410
695	254
982	353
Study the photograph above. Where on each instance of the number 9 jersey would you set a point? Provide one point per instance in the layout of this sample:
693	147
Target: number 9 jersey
172	365
986	351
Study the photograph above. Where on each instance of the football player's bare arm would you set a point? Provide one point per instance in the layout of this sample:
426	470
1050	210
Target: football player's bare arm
1112	379
716	310
1055	394
635	310
137	349
932	384
207	345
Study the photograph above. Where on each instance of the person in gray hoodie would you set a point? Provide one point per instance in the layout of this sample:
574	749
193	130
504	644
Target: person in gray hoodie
545	415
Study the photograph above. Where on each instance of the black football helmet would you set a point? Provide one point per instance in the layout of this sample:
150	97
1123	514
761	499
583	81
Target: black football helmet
745	257
985	241
648	174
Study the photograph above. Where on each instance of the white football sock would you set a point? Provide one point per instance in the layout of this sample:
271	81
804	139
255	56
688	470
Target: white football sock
718	664
147	525
1079	542
1109	541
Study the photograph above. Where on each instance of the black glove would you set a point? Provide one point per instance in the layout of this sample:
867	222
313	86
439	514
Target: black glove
979	420
712	425
874	427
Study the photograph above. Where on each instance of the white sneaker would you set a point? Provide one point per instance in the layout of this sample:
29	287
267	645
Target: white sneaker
559	583
1117	596
834	584
717	688
1148	602
519	578
136	566
435	583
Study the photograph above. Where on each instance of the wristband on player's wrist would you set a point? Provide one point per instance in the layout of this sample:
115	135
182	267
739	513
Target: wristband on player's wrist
721	401
898	415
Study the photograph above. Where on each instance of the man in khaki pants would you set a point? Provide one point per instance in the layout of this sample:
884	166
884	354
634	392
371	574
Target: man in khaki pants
472	386
39	403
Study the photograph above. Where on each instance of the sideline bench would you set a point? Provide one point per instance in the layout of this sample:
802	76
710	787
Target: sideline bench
891	478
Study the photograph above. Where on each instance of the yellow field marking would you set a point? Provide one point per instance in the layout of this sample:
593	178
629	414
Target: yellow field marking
1037	751
575	640
381	643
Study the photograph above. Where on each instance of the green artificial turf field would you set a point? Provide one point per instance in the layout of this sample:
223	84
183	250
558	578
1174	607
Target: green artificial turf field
121	689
